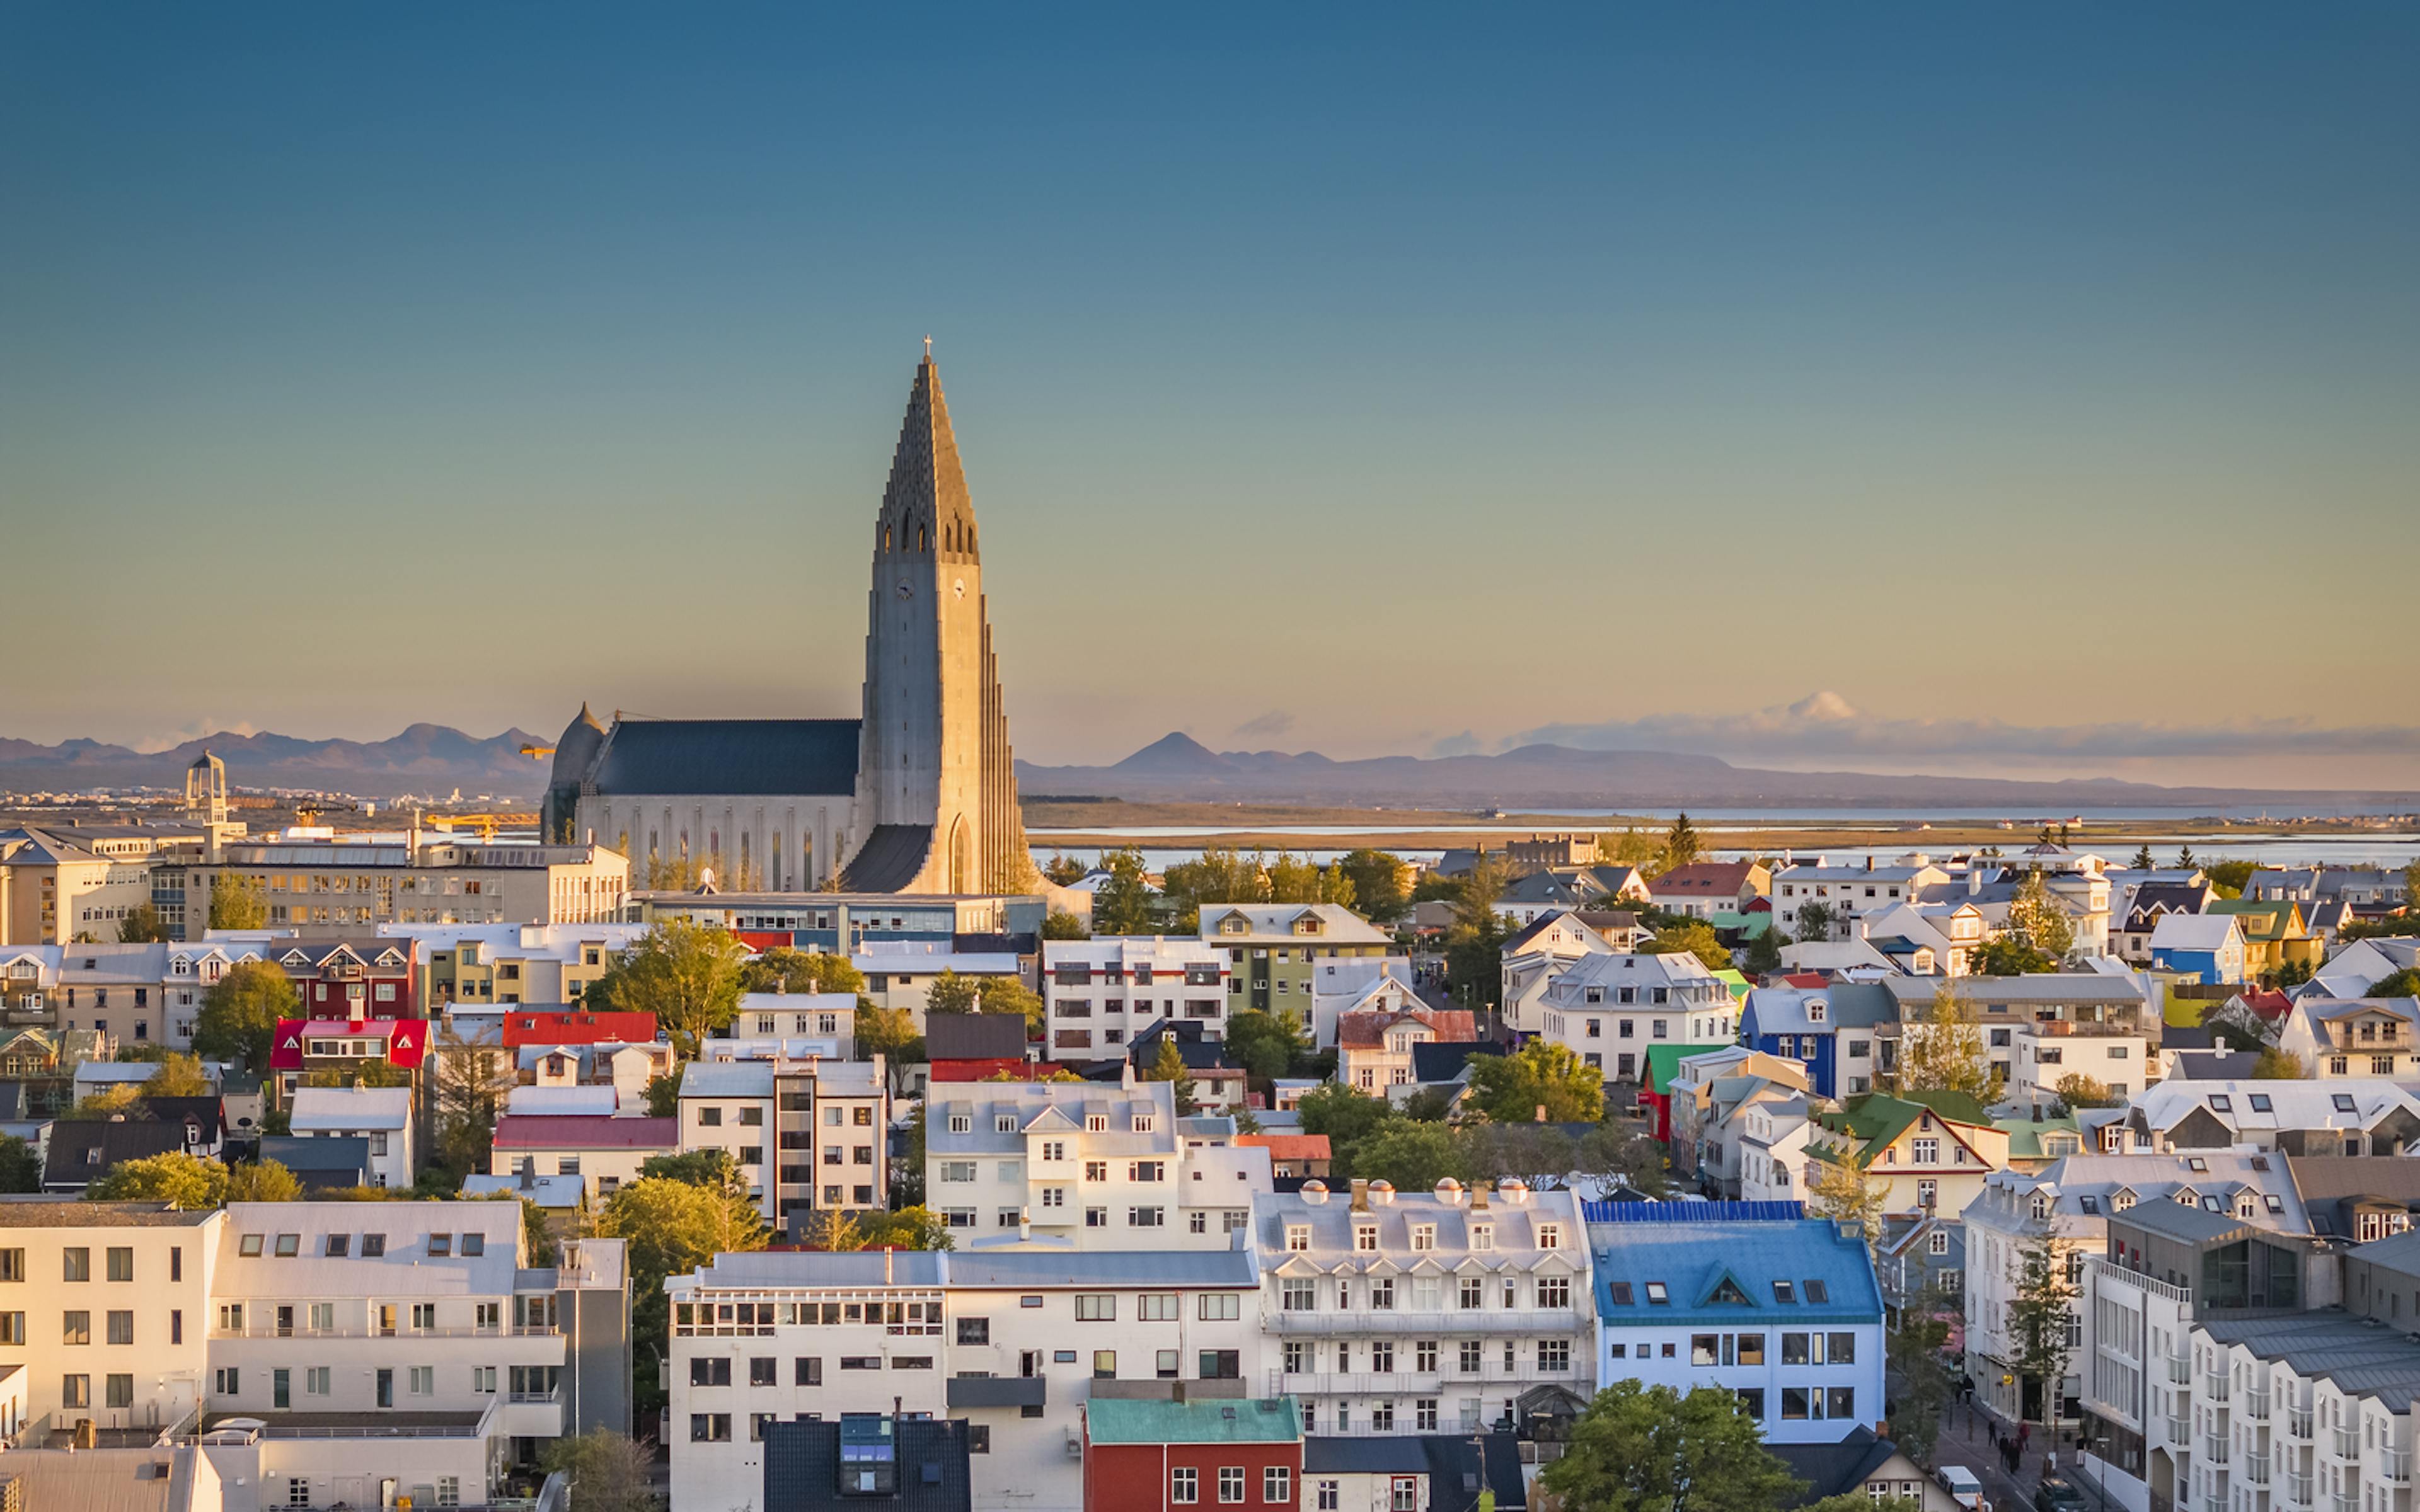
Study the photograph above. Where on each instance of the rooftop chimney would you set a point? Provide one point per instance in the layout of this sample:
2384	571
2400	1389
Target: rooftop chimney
1360	1194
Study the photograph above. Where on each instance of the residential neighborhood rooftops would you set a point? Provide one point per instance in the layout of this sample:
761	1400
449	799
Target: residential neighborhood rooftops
1753	1273
518	1130
347	1109
1001	1269
31	1211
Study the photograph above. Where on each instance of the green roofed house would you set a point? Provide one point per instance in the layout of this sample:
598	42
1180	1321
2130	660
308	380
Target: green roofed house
1655	1086
1930	1152
1142	1453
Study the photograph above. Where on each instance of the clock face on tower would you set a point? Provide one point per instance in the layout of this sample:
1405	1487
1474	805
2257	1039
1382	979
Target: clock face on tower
960	588
906	590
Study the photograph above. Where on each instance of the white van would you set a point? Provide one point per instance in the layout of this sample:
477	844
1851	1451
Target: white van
1961	1485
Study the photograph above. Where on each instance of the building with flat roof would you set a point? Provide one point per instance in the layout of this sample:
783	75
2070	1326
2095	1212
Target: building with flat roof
1149	1454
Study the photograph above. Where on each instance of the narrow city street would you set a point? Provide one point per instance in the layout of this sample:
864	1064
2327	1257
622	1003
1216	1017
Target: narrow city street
1967	1440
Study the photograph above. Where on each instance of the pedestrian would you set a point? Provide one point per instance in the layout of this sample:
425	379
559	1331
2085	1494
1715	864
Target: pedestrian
2050	1464
2025	1434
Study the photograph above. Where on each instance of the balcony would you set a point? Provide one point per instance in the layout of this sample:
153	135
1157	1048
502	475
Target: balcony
2255	1470
2180	1432
2256	1406
2345	1444
1366	1383
2214	1386
2298	1423
2214	1449
2395	1466
2341	1503
2297	1490
2181	1370
1460	1322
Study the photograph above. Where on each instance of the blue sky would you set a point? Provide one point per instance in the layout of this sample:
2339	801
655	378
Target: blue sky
1374	380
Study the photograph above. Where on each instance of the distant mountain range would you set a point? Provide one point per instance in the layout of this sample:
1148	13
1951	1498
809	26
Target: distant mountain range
423	759
433	759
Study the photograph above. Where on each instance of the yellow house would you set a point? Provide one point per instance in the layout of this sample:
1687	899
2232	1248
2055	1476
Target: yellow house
2275	936
1929	1151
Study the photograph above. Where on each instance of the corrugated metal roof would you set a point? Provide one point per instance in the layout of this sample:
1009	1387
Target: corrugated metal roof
741	756
1137	1420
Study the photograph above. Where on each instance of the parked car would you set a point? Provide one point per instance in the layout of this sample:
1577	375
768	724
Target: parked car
1962	1484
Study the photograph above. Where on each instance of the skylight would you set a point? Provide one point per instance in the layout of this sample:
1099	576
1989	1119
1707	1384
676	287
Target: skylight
2195	1163
2344	1102
1656	1296
1622	1296
1782	1291
1817	1292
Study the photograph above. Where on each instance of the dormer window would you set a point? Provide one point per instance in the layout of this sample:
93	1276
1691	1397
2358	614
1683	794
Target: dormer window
1142	1123
1365	1238
1424	1236
2120	1201
1096	1123
1550	1235
1005	1123
1815	1012
2041	1206
959	1123
1234	924
1937	1242
1482	1236
1299	1237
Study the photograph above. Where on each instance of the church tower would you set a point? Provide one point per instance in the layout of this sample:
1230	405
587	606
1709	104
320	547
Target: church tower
935	806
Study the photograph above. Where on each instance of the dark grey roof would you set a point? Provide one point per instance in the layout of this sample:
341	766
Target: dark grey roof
744	756
1454	1464
2193	1226
1442	1062
1025	943
802	1463
2187	1037
1832	1469
2213	1065
974	1037
68	1163
889	860
348	1153
1198	1053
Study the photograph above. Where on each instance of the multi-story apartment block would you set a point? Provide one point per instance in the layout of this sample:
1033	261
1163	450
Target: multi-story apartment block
1013	1342
1423	1312
1783	1312
843	923
1100	992
328	889
2361	1115
1608	1009
512	962
1097	1165
1273	950
2353	1036
1848	892
1833	1031
62	884
105	1306
2055	1008
809	1135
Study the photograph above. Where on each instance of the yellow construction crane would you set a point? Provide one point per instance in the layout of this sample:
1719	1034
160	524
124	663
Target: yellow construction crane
538	752
486	823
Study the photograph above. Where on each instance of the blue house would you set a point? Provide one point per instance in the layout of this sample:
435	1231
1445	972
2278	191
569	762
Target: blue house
2210	946
1830	1028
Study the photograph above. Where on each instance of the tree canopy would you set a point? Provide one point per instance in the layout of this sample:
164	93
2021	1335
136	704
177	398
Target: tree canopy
891	1033
1943	1051
606	1470
237	903
179	1076
239	1013
1693	935
1122	899
687	975
2037	920
1413	1155
673	1227
1641	1448
785	970
1541	1075
142	925
1381	882
1168	1066
194	1183
1265	1044
1059	925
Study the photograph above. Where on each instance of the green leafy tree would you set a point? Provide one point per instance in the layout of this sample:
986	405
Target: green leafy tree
711	1169
237	903
474	1079
1063	870
891	1033
672	1228
950	992
1943	1051
1840	1190
2009	956
188	1181
142	925
239	1014
1625	1155
1916	1357
782	969
1168	1066
266	1181
2185	861
1641	1448
605	1472
2036	918
2403	984
685	974
1122	903
1220	874
1295	880
2078	1091
1762	954
2039	1319
2228	878
1541	1075
1414	1156
1633	847
116	1099
1474	943
537	1240
1697	937
1381	880
1059	925
2276	1065
663	1095
179	1076
1009	996
1679	848
912	1228
1265	1044
21	1167
1814	920
1346	1117
1538	1154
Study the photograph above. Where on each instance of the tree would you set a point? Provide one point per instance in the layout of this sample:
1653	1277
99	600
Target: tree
116	1099
1641	1448
362	1073
1543	1074
2228	878
713	1169
891	1033
1265	1044
1381	882
2143	861
784	971
1168	1066
662	1094
2038	1319
2036	918
2276	1065
1059	925
1474	943
915	1227
1762	955
1414	1156
2078	1091
951	993
673	1227
604	1471
1122	899
1695	936
2185	859
1679	847
537	1240
1860	1502
237	903
1634	848
1917	1355
1814	920
266	1181
685	974
1346	1117
188	1181
2008	956
1626	1156
1064	870
142	925
1837	1189
474	1079
1009	996
239	1014
2292	973
2403	984
1943	1051
21	1167
1536	1154
179	1076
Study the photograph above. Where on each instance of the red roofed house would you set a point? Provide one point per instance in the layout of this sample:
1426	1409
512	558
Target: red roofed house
573	1026
603	1152
348	979
1297	1155
301	1046
1373	1050
1705	888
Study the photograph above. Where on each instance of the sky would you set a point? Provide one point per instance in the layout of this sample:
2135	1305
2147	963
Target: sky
1981	389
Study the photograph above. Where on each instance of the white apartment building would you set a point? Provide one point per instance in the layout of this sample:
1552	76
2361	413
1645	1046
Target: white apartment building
329	888
1423	1312
1785	1314
808	1135
1608	1009
796	1016
1101	993
1095	1165
1768	1157
2041	1055
1848	892
1535	957
1013	1342
381	1115
2362	1115
106	1308
900	973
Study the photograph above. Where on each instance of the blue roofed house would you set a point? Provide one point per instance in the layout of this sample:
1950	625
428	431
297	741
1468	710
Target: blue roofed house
2207	947
1783	1311
1828	1028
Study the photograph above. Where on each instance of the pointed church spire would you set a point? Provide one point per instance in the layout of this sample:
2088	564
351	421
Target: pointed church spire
925	507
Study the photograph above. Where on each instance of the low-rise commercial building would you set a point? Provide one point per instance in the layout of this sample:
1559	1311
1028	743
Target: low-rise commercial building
1099	994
